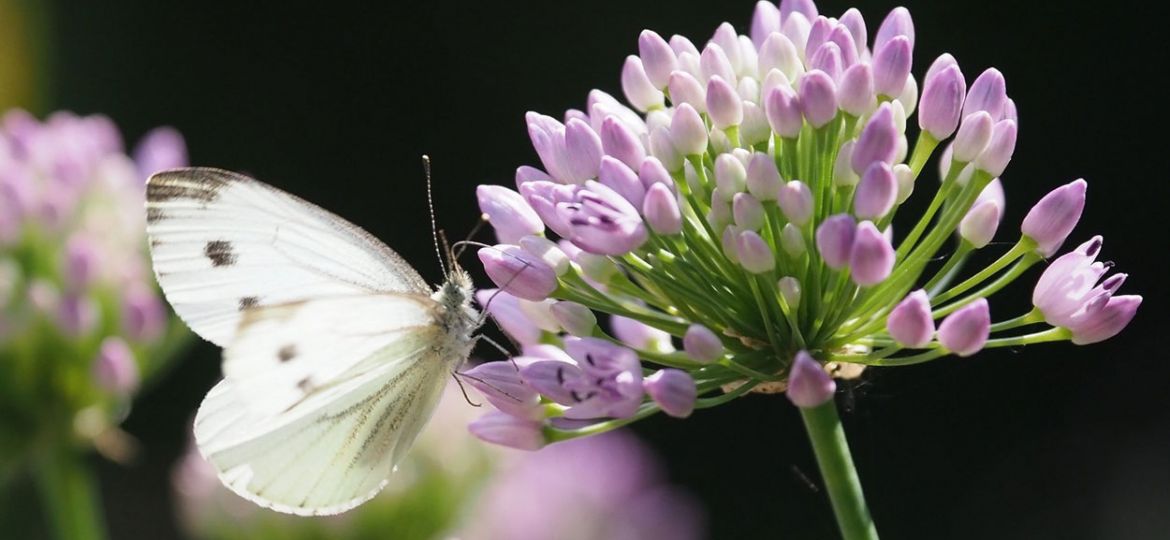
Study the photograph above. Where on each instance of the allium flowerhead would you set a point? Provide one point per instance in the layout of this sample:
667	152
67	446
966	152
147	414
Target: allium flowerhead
748	207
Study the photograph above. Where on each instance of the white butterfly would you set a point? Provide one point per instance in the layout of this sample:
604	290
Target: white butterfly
335	350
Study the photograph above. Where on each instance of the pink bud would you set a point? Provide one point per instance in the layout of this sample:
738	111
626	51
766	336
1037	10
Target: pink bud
724	105
872	257
891	66
835	240
730	176
998	153
673	390
808	8
639	91
783	111
658	60
747	211
582	150
619	141
965	331
941	104
878	140
661	211
114	369
988	93
687	131
979	225
856	91
518	272
143	317
765	21
763	178
1106	321
685	88
617	176
910	322
81	262
876	193
754	254
796	202
779	53
973	137
507	430
855	23
897	23
575	318
827	59
1053	218
808	384
508	213
714	62
818	98
701	344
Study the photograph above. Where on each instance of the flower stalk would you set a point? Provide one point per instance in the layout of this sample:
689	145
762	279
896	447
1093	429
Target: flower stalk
840	476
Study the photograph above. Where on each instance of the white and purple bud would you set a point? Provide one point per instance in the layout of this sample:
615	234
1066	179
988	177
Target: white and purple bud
891	66
160	149
843	38
973	136
730	176
818	98
525	174
897	23
876	193
685	88
575	318
941	105
687	131
658	59
77	315
651	172
724	106
548	251
747	211
728	243
640	335
807	8
779	53
143	316
1051	220
878	141
114	369
728	41
827	59
755	128
518	272
905	177
796	202
754	254
871	258
619	141
617	176
673	390
639	91
662	148
765	21
856	94
843	174
1105	319
792	241
719	216
713	62
855	23
1066	285
506	430
995	157
988	93
910	322
783	110
789	291
835	240
508	213
796	28
80	262
660	210
763	178
965	331
808	384
582	150
979	225
501	385
701	344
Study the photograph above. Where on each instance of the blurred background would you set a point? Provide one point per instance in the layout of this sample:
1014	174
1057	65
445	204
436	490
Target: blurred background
337	102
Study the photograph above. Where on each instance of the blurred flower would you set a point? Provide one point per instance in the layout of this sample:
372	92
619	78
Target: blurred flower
742	207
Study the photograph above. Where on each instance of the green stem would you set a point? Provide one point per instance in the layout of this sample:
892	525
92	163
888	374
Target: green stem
840	476
69	496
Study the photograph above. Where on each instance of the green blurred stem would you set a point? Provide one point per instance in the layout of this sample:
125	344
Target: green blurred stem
840	476
69	495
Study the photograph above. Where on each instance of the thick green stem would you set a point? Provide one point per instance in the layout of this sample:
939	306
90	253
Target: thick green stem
836	464
69	495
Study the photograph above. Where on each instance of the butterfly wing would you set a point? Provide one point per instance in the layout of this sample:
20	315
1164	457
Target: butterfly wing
329	444
223	243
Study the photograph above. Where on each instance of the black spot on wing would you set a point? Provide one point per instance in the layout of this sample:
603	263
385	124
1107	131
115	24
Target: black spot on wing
197	184
248	302
154	214
220	253
286	353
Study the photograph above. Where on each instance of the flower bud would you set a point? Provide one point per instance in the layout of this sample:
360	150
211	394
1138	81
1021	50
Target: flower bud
518	272
792	241
501	385
114	369
942	101
507	430
651	172
835	240
81	262
728	242
639	91
713	62
998	153
754	254
687	131
720	215
673	390
540	313
724	105
878	140
661	211
965	331
160	149
1051	220
789	291
818	98
658	60
872	257
143	316
808	384
747	211
855	23
796	28
755	128
796	202
763	178
619	141
1107	321
783	111
547	251
701	344
525	174
575	318
640	335
662	148
582	150
617	176
988	93
685	88
730	176
876	193
78	315
856	94
808	8
508	213
728	41
979	225
973	136
897	23
843	174
891	66
765	21
779	53
827	59
910	322
905	178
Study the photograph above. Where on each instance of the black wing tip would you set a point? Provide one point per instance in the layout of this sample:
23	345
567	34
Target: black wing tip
198	174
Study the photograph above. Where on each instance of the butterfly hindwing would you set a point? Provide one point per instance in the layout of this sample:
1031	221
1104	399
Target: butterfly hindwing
223	243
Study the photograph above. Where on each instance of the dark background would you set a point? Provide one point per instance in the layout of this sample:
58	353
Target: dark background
336	103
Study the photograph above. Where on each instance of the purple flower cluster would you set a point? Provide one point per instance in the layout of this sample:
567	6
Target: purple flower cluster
743	204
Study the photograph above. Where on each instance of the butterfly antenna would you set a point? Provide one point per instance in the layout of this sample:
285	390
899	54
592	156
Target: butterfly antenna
431	206
459	246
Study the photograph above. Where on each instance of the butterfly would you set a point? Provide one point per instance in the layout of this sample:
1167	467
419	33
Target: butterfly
335	351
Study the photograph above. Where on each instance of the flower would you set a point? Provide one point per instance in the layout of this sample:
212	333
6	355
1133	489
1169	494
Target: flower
744	206
81	322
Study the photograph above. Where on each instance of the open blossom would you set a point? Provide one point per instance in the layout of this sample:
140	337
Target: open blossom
77	298
744	206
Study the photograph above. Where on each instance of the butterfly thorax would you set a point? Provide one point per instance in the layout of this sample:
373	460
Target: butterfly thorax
457	318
